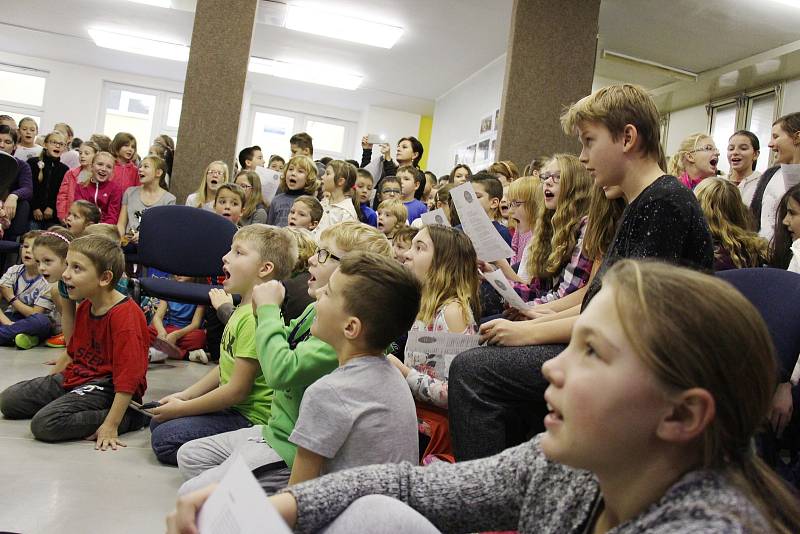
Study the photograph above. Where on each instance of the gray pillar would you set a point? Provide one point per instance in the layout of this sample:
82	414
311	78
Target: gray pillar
213	91
549	65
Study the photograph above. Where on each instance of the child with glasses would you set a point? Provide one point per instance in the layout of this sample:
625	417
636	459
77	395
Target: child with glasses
292	359
388	189
253	210
234	394
696	159
48	172
215	175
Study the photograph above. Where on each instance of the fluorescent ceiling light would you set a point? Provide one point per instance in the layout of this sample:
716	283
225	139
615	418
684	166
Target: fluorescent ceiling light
157	3
306	72
329	24
139	45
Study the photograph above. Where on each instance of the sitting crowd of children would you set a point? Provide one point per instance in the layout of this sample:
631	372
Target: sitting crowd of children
319	388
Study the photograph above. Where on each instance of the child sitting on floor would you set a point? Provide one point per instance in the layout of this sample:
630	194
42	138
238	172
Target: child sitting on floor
27	292
107	358
81	215
234	394
291	359
175	331
444	261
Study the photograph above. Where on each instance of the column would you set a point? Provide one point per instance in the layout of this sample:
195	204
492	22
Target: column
549	65
212	93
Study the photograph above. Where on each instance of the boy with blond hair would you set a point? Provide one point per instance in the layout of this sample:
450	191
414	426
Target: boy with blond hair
107	357
392	215
292	359
234	394
618	128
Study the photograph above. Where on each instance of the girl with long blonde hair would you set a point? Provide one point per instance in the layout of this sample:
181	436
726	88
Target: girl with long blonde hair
696	159
215	175
555	261
730	223
444	260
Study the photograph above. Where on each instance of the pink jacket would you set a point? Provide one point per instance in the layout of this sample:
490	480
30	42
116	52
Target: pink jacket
107	196
126	175
66	193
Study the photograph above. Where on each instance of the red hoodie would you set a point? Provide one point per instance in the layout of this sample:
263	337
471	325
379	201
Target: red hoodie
126	175
105	195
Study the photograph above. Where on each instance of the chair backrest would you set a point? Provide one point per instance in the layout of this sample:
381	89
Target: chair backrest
776	295
184	240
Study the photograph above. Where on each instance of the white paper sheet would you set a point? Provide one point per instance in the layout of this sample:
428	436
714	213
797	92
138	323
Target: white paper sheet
239	506
489	244
506	289
440	342
436	216
270	181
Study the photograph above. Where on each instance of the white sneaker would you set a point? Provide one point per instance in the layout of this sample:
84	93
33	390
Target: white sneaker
156	356
199	356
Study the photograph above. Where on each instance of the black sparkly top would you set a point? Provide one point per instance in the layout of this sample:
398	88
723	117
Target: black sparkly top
664	222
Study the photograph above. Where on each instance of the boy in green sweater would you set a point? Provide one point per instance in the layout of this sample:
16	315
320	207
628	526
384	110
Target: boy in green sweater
291	360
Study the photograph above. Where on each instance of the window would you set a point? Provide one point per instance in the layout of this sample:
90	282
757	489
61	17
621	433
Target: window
272	129
22	92
754	111
723	124
144	113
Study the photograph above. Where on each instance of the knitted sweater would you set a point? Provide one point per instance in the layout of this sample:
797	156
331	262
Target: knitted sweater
521	489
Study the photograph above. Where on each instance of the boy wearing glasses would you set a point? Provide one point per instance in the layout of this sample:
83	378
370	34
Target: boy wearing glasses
291	360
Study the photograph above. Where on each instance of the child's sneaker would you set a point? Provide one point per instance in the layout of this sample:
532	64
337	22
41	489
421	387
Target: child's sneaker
156	356
199	356
57	341
25	342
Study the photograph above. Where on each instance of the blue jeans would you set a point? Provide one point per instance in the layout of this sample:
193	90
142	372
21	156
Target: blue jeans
38	325
167	437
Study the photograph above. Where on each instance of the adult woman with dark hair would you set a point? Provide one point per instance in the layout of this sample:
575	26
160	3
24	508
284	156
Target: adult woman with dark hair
409	152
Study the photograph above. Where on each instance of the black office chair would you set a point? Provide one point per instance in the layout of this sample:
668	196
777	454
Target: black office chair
186	241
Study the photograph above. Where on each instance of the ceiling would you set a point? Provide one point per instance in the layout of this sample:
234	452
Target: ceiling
731	44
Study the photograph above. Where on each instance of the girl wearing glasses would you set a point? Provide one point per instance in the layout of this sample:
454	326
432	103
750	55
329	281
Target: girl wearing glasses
253	210
524	199
48	172
695	160
216	174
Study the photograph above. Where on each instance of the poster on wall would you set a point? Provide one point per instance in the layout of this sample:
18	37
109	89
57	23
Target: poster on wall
486	124
496	118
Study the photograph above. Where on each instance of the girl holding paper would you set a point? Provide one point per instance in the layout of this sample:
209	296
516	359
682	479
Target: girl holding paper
444	260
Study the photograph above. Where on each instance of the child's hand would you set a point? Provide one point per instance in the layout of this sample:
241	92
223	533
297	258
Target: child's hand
37	214
503	333
48	213
271	292
219	297
184	518
171	338
397	363
134	238
485	267
106	436
171	409
180	396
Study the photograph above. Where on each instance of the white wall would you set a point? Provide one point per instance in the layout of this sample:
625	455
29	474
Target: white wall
458	113
791	97
73	92
683	123
392	123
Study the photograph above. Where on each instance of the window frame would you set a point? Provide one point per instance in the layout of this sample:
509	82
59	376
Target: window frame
301	121
7	106
160	111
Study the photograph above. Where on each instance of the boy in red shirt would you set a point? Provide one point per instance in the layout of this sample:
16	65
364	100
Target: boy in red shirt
108	358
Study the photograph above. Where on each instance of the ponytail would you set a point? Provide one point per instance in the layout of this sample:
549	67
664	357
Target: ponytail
770	494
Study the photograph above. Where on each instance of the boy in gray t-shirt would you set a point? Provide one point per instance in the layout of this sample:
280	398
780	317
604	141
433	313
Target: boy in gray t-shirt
363	412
